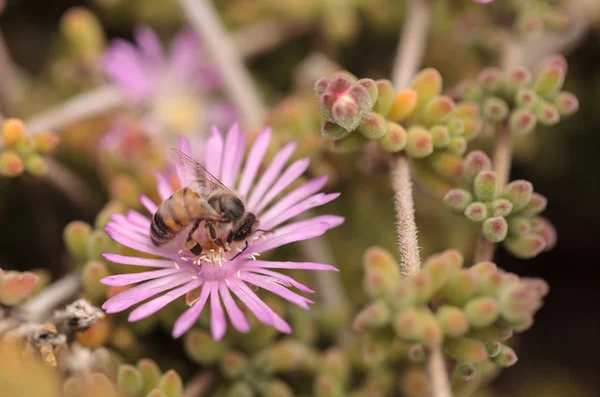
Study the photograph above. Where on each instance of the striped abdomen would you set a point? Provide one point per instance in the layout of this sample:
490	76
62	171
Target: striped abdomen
178	211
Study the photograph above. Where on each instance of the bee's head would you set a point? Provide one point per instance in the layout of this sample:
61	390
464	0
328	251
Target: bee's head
246	227
232	207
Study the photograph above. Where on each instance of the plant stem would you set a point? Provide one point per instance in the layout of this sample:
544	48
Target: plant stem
263	36
56	293
204	19
70	184
11	85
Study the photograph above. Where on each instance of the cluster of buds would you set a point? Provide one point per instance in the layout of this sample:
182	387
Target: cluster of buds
517	99
16	287
509	214
534	20
418	121
20	152
469	312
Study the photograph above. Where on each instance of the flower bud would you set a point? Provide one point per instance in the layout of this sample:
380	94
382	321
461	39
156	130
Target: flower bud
374	126
494	229
452	320
333	131
381	272
468	90
547	113
12	131
438	109
35	164
447	165
25	146
374	350
150	373
486	186
201	347
464	372
431	333
349	144
482	312
517	78
375	315
519	226
335	363
407	323
75	236
106	213
543	227
526	98
170	384
491	80
395	138
438	268
402	295
566	103
83	32
536	205
500	207
427	83
456	126
458	146
467	110
465	350
414	383
99	385
99	242
517	302
416	353
233	364
422	285
493	348
15	287
484	268
522	122
495	109
385	98
327	386
491	333
461	287
371	87
530	24
130	380
549	80
404	105
419	143
240	389
475	162
506	357
45	142
473	128
458	200
92	273
476	211
454	258
277	388
519	193
440	135
11	164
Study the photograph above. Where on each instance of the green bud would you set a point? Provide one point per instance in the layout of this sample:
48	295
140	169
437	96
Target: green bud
543	227
371	87
414	383
491	333
335	363
105	215
401	296
349	144
519	193
395	138
427	83
547	113
458	145
438	109
452	320
35	164
519	226
464	371
419	143
467	110
156	393
150	373
333	131
518	302
522	122
484	268
170	384
527	98
75	236
456	126
495	229
469	90
491	80
438	268
440	135
277	388
201	347
92	273
482	312
130	380
517	78
431	333
473	128
506	357
486	186
536	205
549	80
11	164
493	348
416	353
328	386
233	364
374	126
460	287
403	105
465	350
407	323
240	389
385	98
476	212
99	242
490	284
566	103
45	142
500	207
446	164
423	286
25	146
455	259
15	287
381	271
374	351
475	162
495	109
375	315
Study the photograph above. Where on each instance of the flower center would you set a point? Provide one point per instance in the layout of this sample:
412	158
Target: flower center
178	112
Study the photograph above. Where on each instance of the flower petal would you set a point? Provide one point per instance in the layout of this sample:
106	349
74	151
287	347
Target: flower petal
149	44
190	316
288	265
269	285
218	322
232	141
237	317
311	202
122	221
133	278
289	176
165	190
270	174
253	161
151	307
136	261
298	194
138	219
284	279
214	150
148	204
136	242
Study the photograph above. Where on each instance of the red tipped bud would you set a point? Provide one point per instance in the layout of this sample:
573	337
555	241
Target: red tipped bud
476	211
395	138
371	87
460	287
491	80
11	164
447	165
440	135
12	131
130	380
495	109
526	98
458	146
566	103
522	122
519	226
452	321
547	113
519	193
465	350
381	272
375	315
486	186
404	105
506	357
456	126
419	143
438	109
475	162
500	207
536	205
517	78
385	98
45	142
543	227
482	312
15	287
374	126
549	80
427	84
495	229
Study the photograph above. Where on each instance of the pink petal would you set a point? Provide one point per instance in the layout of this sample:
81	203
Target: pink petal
126	223
148	204
291	236
285	280
237	159
289	176
270	174
254	159
133	278
288	265
185	146
214	149
190	316
151	307
231	143
165	190
311	202
136	261
278	290
149	44
237	317
124	67
141	292
300	193
183	55
138	219
218	322
136	243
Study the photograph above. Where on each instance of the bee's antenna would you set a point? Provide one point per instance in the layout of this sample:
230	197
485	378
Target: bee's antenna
240	253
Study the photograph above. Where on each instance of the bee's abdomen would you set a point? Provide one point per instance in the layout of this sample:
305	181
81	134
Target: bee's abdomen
170	218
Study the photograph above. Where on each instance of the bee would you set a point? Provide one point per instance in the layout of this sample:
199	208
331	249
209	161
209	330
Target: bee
203	199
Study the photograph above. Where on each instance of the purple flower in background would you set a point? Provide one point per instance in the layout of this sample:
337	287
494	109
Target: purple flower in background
176	92
483	1
218	280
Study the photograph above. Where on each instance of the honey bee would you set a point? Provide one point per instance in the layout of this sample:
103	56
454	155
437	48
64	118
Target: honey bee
203	199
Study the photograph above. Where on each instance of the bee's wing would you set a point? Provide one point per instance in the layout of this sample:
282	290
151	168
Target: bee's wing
192	172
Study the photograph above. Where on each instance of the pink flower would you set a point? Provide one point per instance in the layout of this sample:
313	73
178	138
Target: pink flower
216	281
483	1
174	93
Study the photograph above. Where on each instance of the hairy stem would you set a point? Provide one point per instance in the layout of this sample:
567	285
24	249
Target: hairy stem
205	21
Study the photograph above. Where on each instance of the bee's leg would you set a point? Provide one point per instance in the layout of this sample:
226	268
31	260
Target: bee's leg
196	249
191	244
211	231
242	251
